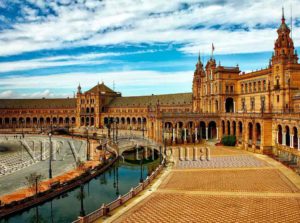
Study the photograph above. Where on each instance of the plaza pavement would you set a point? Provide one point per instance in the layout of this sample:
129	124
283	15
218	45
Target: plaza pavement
234	186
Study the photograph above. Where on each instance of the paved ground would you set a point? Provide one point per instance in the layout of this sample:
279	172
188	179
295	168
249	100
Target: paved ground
234	186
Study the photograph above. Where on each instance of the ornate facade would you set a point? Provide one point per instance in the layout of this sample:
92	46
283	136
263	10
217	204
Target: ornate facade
260	108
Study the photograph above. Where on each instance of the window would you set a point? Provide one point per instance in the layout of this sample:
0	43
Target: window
250	87
227	89
246	88
278	99
231	89
254	87
243	104
242	88
264	85
252	103
259	86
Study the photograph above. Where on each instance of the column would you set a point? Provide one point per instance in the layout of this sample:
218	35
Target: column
173	135
233	106
224	106
217	133
283	139
298	143
196	135
277	136
206	133
184	135
291	141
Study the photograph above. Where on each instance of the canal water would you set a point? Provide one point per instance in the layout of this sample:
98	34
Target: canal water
117	180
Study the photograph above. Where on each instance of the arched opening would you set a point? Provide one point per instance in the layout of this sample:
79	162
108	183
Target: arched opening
128	121
212	130
240	129
258	134
60	120
87	110
42	121
105	121
123	121
48	121
295	137
190	132
144	121
202	130
67	120
92	110
287	136
14	121
279	134
139	121
250	132
216	106
228	127
229	105
54	120
92	121
21	122
73	120
1	121
34	120
223	127
179	132
28	121
87	121
82	121
6	121
234	127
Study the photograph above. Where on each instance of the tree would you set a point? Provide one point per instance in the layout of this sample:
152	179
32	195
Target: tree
34	182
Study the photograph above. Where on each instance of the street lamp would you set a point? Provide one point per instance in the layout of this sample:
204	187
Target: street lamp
87	144
113	129
50	159
143	128
141	163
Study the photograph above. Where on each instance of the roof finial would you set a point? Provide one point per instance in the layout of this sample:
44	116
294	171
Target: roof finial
283	19
199	58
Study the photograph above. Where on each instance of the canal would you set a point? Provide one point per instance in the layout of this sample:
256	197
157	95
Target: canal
117	180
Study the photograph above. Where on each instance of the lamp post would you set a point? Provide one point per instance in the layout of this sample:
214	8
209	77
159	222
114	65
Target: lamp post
108	125
22	127
141	163
116	130
87	144
143	128
50	158
113	129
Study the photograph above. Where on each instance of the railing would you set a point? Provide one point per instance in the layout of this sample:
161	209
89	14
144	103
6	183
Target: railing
105	209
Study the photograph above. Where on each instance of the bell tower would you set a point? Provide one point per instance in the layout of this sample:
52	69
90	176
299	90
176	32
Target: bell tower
197	85
283	57
284	51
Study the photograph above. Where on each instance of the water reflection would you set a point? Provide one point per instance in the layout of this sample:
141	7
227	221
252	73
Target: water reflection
117	180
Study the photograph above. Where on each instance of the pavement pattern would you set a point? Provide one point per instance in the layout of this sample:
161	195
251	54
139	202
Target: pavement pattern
234	186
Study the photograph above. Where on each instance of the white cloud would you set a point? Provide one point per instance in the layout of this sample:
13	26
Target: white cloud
64	60
84	23
35	94
87	80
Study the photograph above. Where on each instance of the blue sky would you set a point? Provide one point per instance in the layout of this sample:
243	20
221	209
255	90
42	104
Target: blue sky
48	47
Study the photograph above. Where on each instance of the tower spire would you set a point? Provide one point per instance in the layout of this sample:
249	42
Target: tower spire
282	18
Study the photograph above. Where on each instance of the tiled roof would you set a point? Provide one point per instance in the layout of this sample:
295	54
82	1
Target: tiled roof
37	103
100	88
166	99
